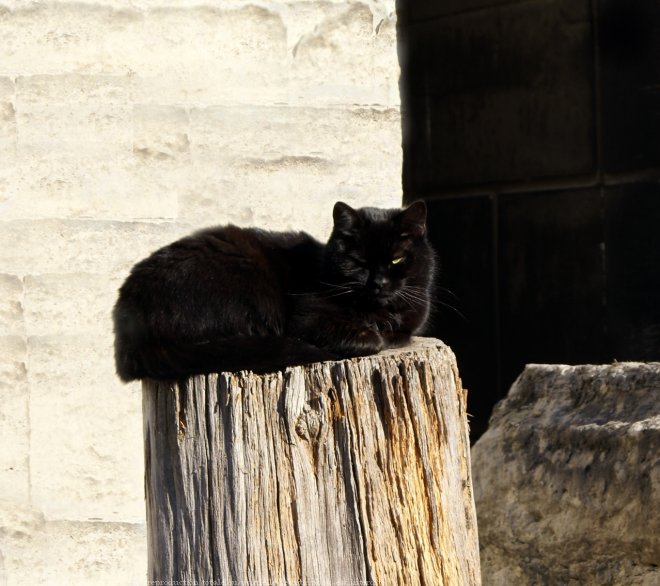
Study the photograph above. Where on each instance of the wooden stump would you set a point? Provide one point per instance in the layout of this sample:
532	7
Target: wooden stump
353	472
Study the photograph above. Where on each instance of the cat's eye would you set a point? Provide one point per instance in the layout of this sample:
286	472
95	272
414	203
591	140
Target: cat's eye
398	260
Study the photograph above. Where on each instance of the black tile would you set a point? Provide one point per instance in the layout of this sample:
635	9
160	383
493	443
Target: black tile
629	49
499	95
632	244
464	316
424	10
551	280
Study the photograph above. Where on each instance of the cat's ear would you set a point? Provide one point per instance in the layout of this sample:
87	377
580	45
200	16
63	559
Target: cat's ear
413	220
346	218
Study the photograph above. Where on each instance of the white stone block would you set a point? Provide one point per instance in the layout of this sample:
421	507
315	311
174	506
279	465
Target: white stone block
386	58
57	37
283	168
14	362
7	89
86	432
192	87
70	304
53	246
14	421
35	551
342	60
78	184
161	133
70	112
246	45
7	120
327	52
356	137
281	195
11	306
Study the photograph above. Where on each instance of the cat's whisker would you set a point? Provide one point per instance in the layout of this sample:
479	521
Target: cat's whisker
324	294
340	293
346	285
454	309
415	288
403	297
409	291
333	287
448	291
413	296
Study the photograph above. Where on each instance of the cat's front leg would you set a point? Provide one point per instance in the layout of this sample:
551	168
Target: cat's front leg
347	338
340	333
393	331
360	341
395	339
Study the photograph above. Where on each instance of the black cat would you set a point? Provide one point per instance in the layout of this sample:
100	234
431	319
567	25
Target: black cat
228	298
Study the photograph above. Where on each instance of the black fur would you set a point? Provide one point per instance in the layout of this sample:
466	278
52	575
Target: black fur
229	299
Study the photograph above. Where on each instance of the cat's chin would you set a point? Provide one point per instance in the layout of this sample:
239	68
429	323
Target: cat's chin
382	299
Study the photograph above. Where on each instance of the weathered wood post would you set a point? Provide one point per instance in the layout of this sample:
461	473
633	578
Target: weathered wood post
352	472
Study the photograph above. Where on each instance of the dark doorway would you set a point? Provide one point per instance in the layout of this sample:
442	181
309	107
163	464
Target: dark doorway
531	128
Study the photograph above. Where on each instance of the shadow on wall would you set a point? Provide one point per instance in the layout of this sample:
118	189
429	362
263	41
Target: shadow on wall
530	130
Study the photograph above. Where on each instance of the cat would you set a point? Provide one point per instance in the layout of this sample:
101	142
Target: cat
230	298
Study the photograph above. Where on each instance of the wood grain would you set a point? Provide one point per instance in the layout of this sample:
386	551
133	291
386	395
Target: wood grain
350	472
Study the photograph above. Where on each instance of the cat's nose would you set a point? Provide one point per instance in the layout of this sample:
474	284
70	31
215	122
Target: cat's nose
378	282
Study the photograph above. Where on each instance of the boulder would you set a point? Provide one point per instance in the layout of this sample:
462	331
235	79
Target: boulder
567	478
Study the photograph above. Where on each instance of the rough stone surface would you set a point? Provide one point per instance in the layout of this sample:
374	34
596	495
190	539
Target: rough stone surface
123	126
567	478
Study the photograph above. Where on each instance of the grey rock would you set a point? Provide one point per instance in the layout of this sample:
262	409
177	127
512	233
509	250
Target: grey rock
567	478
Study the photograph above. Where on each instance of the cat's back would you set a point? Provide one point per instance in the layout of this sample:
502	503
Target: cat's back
221	248
223	262
224	280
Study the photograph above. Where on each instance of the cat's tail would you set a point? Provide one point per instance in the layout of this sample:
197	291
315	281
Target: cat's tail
261	354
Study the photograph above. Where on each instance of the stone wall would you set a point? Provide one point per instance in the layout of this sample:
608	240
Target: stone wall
124	125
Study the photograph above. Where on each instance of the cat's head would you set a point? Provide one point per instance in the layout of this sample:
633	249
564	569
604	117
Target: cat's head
377	254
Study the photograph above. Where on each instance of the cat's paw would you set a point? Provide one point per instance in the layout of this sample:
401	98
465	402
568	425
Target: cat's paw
396	339
366	341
